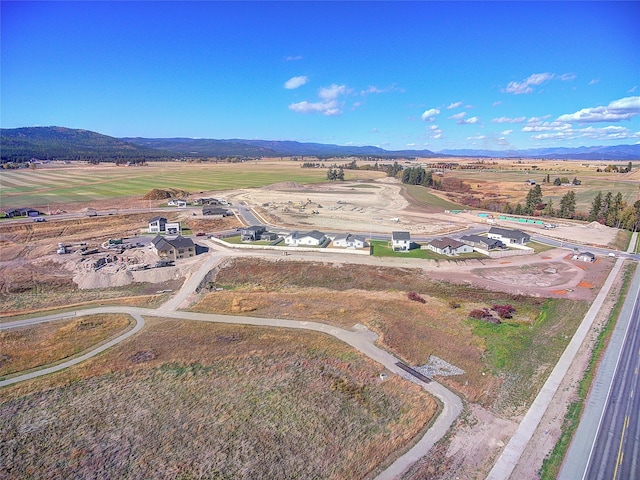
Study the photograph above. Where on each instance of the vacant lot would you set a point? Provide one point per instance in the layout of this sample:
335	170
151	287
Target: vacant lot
35	346
197	400
344	295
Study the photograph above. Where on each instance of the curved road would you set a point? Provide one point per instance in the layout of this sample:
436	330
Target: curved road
360	338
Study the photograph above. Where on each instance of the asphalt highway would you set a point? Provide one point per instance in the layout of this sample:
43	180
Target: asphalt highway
616	452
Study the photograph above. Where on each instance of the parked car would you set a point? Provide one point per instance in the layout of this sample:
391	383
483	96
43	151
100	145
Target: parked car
39	219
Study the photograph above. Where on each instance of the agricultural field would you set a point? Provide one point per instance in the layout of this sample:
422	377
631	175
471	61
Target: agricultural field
193	399
49	187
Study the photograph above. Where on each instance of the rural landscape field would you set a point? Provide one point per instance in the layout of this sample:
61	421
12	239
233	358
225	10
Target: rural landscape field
280	380
313	240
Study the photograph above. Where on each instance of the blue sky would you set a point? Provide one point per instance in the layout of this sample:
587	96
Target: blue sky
434	75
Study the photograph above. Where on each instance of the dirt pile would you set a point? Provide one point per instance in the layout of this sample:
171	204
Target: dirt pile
161	194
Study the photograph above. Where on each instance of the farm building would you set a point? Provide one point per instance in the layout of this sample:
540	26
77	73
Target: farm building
21	212
313	238
349	241
449	246
484	243
400	241
509	236
173	248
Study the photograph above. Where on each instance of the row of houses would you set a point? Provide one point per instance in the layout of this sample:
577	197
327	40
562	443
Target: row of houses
314	238
497	239
22	212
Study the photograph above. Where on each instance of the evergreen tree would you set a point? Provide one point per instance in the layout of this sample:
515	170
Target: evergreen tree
340	174
596	208
534	198
568	205
518	209
548	209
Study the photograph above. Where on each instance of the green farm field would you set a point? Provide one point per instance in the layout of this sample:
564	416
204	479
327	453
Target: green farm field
75	184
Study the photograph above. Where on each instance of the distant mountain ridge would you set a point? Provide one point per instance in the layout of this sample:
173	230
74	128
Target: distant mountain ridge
60	143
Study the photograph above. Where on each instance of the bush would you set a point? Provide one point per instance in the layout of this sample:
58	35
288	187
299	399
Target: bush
415	297
504	311
484	314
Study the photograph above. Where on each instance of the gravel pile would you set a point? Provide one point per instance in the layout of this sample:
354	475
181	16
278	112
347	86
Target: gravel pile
438	367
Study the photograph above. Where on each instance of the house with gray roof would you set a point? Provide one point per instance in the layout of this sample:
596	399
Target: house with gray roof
252	233
348	240
400	241
448	246
508	236
314	238
173	248
157	225
483	243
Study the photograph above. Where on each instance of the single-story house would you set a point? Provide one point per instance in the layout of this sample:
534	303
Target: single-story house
400	241
584	257
177	203
252	233
484	243
22	212
216	211
173	248
449	246
509	236
157	224
313	238
350	241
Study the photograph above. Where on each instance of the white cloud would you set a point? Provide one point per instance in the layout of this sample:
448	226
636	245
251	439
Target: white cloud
428	115
454	105
538	124
458	116
506	132
329	104
518	88
633	89
594	81
295	82
293	58
468	121
496	103
509	120
567	77
434	132
376	90
623	109
594	133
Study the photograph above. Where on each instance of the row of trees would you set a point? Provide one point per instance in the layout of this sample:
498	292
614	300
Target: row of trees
335	173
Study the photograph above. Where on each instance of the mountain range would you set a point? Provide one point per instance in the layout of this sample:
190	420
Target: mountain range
60	143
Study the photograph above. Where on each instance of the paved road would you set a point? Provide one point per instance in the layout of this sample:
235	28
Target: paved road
607	441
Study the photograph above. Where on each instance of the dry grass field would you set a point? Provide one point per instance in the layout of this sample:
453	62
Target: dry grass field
30	347
343	295
199	400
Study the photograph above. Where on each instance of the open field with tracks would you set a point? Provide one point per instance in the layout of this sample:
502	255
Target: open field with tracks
191	399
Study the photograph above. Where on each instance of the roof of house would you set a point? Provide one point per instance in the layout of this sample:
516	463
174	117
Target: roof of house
349	237
156	219
400	236
254	228
517	234
315	234
446	242
479	239
586	254
164	243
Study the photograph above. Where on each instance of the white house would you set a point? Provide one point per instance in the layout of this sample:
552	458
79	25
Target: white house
584	257
177	203
173	228
508	236
449	246
400	241
313	238
157	225
350	241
